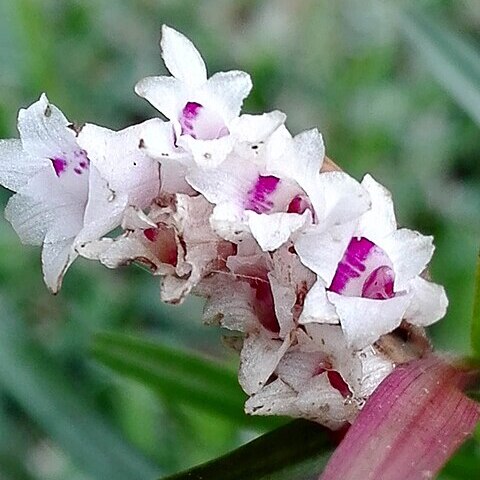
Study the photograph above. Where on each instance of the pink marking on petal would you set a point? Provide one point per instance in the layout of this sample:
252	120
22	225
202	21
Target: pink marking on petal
59	165
189	112
364	271
379	284
258	197
352	263
201	122
191	109
77	170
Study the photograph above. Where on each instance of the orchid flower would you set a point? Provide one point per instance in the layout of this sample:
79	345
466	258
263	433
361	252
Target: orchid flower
64	195
377	282
279	192
200	109
320	378
51	175
260	296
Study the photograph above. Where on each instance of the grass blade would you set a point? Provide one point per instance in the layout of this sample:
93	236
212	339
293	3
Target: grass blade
475	332
37	383
451	59
178	376
296	451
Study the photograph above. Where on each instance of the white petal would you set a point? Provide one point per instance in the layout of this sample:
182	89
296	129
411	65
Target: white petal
207	154
337	198
365	320
228	223
56	258
104	209
310	152
374	368
119	160
297	367
256	128
231	306
44	130
135	218
299	158
279	148
329	339
225	184
203	249
284	299
44	205
276	398
273	230
379	221
95	249
167	94
225	92
429	303
320	250
174	290
317	307
157	140
320	402
182	58
17	167
409	252
124	250
173	173
259	358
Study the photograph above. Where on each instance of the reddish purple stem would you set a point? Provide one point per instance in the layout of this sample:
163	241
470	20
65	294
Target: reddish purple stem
410	426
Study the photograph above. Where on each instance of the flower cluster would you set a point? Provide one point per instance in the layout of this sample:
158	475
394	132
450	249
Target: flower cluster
305	265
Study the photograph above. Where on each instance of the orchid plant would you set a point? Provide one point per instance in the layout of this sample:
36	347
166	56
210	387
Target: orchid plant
323	295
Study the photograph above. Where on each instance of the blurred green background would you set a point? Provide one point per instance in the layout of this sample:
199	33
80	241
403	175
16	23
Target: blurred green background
395	93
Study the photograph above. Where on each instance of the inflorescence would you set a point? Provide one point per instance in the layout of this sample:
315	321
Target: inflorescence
303	263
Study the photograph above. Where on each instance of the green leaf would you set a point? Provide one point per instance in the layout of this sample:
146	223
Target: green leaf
451	59
475	333
39	386
296	451
12	469
178	376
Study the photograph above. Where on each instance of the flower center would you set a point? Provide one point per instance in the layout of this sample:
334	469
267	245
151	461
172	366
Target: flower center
364	271
163	244
201	122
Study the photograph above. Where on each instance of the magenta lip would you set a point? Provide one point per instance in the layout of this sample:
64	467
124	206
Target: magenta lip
352	263
377	284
